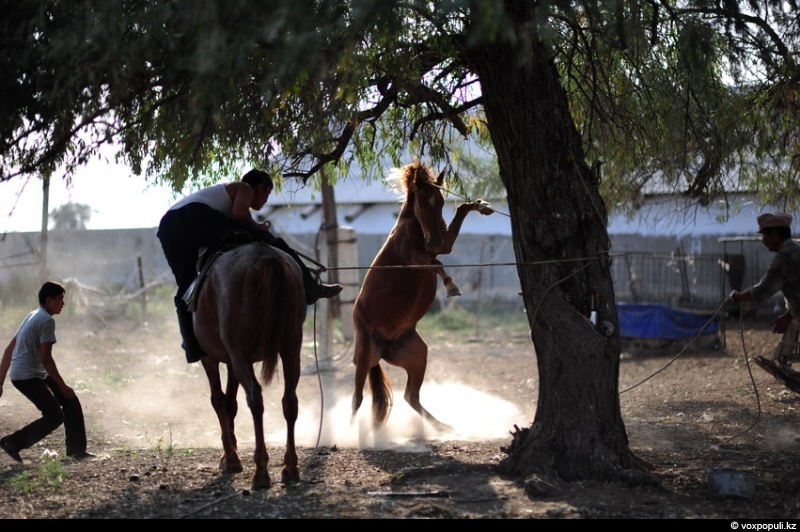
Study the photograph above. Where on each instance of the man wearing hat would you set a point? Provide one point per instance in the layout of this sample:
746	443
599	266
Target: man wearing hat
783	274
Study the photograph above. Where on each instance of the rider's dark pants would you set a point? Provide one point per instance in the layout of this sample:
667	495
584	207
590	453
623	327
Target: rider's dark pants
183	232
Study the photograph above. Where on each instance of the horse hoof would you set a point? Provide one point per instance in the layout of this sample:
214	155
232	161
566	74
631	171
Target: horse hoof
261	481
453	291
230	467
438	426
443	427
290	474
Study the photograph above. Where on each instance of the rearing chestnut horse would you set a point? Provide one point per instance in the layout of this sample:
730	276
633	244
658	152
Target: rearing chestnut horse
251	308
392	300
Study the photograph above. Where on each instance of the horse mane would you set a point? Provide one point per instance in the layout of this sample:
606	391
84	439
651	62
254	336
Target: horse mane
405	180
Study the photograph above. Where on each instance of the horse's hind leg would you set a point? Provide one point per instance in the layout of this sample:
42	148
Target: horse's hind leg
365	355
233	463
291	374
255	400
452	289
225	407
411	354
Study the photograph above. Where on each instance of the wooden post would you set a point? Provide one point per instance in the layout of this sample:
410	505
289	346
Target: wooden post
44	273
329	308
329	230
143	300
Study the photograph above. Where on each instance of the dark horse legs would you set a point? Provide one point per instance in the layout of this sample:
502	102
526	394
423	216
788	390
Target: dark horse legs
226	407
411	354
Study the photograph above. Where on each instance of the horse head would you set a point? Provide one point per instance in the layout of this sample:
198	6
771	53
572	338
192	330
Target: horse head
428	205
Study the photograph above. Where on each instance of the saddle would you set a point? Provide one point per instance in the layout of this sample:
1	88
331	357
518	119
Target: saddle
208	256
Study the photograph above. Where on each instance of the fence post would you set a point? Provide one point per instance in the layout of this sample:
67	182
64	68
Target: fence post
143	300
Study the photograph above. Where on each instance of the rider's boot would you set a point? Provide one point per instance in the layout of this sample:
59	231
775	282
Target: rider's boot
316	290
190	344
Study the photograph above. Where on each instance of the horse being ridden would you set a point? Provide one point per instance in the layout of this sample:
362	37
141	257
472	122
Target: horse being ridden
251	309
392	300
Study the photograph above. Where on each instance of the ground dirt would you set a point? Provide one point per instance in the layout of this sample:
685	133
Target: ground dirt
690	414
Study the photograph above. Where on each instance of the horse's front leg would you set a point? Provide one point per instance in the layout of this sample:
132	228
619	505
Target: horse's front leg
451	233
452	288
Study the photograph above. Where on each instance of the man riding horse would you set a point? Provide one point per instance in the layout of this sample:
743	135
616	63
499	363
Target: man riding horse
201	220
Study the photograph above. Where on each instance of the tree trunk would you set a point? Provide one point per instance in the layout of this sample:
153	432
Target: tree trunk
331	235
559	227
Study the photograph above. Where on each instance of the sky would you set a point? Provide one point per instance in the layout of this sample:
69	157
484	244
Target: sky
118	199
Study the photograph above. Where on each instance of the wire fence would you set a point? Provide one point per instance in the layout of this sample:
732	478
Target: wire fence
123	262
688	281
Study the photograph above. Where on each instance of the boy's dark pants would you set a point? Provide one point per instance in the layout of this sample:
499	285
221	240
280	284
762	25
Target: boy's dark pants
56	409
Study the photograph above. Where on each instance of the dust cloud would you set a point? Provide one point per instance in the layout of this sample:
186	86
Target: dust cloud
138	392
180	415
781	439
142	394
473	415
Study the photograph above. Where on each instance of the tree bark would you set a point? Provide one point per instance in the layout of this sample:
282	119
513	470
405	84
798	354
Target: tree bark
559	228
331	235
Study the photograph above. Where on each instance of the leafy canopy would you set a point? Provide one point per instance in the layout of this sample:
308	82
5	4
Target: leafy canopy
698	96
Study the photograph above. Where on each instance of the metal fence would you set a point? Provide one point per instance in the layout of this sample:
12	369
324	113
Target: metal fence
678	280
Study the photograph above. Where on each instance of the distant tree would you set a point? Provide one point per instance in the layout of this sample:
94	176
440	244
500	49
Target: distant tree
70	216
586	103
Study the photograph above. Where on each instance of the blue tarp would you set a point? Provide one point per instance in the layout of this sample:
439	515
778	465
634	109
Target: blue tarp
662	322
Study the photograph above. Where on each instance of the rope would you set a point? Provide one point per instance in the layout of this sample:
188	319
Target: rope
321	396
752	381
536	310
601	255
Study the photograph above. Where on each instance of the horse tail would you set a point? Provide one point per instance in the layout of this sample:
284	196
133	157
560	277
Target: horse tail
381	395
272	294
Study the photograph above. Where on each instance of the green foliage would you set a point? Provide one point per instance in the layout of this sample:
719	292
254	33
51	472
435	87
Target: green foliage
667	96
162	450
693	96
656	107
490	314
22	483
50	475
